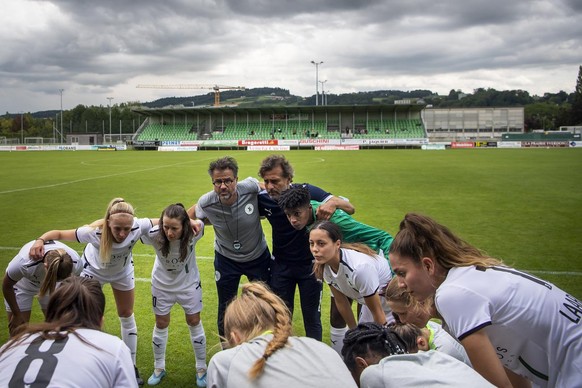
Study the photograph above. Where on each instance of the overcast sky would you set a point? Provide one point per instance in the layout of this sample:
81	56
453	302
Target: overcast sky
94	49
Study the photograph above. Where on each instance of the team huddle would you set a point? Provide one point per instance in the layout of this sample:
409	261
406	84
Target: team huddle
431	308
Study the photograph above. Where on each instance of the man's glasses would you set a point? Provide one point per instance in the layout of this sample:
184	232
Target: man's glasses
219	182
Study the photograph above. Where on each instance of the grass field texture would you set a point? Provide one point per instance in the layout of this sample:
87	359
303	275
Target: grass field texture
521	205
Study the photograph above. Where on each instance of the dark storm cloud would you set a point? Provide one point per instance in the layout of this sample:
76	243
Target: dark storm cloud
289	8
95	47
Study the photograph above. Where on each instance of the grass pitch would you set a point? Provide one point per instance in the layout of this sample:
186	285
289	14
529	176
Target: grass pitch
521	205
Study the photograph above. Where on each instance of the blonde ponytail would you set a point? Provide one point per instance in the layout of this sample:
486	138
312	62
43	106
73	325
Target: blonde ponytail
255	311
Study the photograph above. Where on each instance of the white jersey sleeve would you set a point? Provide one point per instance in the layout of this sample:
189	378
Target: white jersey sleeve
366	279
470	308
444	342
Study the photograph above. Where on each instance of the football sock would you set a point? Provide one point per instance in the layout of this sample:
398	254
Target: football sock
159	342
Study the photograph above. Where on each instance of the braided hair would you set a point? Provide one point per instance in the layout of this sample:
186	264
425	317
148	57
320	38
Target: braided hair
370	338
255	311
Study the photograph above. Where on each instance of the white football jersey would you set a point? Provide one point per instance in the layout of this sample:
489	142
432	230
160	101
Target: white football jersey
423	369
359	275
29	273
169	272
444	342
533	325
121	255
303	362
103	362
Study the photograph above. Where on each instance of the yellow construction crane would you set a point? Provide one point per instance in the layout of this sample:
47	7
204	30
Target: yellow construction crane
216	88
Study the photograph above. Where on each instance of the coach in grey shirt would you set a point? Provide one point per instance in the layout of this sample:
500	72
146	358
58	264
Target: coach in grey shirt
240	247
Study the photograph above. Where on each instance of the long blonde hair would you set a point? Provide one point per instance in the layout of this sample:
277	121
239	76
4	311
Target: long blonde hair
59	266
116	206
252	313
420	236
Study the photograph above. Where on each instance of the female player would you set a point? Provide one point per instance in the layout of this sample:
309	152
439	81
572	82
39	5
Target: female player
108	259
69	349
26	278
378	357
175	279
357	273
263	352
514	327
408	310
430	337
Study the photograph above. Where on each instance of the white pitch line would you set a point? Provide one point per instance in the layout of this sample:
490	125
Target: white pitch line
560	273
90	178
207	258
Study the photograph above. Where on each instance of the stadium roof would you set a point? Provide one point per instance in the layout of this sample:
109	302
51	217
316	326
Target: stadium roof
229	109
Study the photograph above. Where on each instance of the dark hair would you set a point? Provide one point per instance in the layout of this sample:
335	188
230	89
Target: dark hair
408	333
370	338
293	198
177	211
225	163
78	302
334	233
333	230
420	236
272	161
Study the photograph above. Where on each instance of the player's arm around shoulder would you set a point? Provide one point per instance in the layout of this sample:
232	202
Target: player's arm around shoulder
192	214
37	248
327	208
249	185
197	227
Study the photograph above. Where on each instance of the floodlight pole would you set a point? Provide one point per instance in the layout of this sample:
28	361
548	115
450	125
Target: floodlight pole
21	127
61	90
323	93
110	98
317	81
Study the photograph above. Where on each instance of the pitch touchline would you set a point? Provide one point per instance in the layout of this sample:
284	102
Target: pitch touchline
90	178
540	272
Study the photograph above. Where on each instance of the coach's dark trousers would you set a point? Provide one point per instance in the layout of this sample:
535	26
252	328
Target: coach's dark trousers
285	277
227	275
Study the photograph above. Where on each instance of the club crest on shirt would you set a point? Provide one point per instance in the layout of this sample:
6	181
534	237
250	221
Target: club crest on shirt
249	208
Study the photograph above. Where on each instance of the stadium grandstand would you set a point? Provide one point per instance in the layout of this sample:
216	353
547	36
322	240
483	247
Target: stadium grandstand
406	124
281	123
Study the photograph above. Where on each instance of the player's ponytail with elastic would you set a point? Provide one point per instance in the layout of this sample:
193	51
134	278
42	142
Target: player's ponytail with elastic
254	312
420	236
59	266
116	206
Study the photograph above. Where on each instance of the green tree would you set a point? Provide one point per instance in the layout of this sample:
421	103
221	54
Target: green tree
576	112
